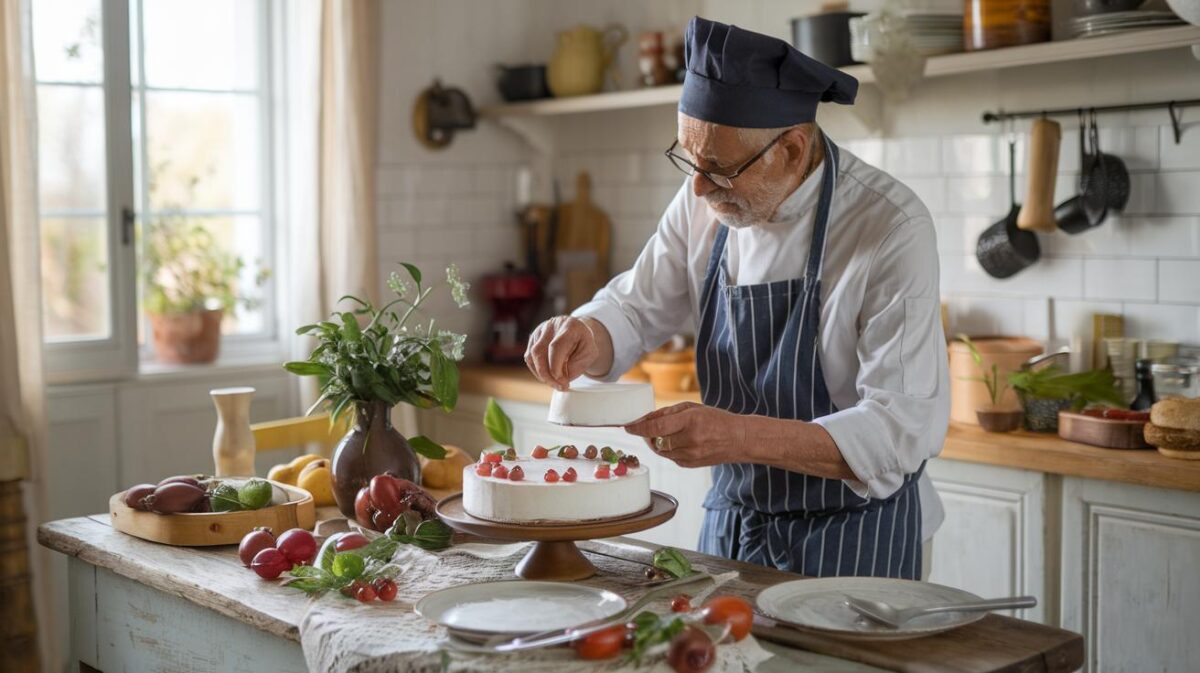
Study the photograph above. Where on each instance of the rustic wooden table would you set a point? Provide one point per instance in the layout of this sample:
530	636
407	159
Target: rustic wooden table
137	605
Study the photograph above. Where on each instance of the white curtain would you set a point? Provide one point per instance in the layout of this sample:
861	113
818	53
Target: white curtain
22	400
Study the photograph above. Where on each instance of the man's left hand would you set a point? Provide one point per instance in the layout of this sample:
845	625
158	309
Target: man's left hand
693	435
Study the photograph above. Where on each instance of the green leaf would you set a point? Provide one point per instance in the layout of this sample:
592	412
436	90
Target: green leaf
497	423
431	534
672	562
444	375
350	327
339	407
349	566
427	447
306	329
412	271
302	368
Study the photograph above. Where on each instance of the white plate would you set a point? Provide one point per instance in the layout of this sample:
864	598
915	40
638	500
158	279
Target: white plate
820	605
515	607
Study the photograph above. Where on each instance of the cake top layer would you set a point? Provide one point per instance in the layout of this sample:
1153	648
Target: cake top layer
595	404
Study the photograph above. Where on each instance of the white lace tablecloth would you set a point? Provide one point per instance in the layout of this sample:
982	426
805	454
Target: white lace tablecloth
341	635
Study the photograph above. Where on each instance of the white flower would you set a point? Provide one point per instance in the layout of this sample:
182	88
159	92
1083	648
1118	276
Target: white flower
452	344
398	285
458	287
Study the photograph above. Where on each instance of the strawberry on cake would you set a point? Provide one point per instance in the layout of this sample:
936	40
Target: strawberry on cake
563	485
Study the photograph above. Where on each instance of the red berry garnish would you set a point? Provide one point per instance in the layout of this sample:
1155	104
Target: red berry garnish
620	470
569	451
540	452
602	471
484	469
500	472
551	476
385	589
570	475
631	460
516	474
365	593
493	457
681	603
590	452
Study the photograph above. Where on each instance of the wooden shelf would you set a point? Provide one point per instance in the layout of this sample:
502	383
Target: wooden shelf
1131	42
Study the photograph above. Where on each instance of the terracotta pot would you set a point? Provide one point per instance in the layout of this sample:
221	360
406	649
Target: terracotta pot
371	447
966	394
187	338
999	421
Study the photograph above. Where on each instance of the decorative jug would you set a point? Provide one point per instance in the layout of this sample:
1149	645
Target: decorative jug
581	58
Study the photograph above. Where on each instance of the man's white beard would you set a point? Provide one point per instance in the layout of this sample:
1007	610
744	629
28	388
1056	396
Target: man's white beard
739	220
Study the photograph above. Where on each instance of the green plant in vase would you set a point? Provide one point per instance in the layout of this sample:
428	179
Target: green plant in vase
369	359
992	419
189	283
1046	391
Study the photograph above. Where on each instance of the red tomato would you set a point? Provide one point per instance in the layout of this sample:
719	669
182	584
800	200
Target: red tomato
602	644
551	476
569	451
516	474
570	475
602	471
731	610
350	541
681	603
484	469
365	593
590	452
620	470
500	472
539	451
385	589
493	457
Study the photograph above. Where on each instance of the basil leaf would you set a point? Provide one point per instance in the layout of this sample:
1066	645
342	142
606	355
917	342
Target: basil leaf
302	368
412	271
427	447
444	373
672	562
350	327
497	423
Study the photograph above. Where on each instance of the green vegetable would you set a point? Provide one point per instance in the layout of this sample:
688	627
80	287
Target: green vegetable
498	425
431	534
672	562
224	498
649	630
1082	388
254	494
348	565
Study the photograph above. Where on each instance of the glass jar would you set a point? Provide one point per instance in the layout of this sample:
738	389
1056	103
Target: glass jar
988	24
1177	377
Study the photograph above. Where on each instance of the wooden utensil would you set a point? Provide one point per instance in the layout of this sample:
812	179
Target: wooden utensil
583	244
214	528
1037	214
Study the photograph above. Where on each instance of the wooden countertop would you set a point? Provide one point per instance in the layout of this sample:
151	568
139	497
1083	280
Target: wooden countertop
213	578
1025	450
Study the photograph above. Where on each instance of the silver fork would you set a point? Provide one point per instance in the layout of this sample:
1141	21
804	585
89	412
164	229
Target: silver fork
894	617
558	636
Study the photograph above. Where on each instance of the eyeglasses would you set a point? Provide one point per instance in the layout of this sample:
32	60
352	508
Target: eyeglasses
726	181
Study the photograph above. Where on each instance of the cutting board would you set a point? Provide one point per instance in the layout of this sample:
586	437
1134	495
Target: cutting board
583	244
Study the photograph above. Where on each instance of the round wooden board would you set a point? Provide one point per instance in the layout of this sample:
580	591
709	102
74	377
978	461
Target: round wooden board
213	528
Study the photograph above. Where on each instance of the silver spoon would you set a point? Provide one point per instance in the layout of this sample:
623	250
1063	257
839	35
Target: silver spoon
896	617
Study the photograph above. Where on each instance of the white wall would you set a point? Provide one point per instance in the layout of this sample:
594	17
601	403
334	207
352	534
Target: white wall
1144	264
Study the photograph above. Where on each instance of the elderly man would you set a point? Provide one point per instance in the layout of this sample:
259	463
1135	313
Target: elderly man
812	281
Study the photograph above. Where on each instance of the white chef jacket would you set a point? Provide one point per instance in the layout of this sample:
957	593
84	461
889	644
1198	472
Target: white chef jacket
882	348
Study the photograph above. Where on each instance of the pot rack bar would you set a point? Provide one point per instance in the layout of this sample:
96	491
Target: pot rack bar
1171	106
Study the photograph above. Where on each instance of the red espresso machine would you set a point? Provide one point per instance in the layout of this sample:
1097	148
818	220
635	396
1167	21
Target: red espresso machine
515	297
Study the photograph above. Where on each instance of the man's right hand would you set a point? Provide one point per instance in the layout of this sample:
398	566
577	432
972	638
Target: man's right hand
563	348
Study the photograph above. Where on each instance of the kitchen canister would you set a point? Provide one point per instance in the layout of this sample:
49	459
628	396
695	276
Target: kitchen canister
967	394
988	24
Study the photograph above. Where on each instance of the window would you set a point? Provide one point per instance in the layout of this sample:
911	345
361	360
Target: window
153	128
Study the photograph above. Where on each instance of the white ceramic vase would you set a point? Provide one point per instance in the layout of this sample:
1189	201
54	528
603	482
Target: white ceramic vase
233	443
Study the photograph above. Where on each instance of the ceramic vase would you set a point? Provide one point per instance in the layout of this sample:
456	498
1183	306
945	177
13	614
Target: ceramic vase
371	447
233	442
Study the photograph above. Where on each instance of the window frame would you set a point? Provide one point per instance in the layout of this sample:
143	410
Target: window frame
118	356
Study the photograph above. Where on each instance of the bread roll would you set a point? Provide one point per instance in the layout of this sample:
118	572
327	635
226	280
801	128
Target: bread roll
1172	438
1177	412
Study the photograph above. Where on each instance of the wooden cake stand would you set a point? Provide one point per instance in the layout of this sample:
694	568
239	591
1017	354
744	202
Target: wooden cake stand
555	557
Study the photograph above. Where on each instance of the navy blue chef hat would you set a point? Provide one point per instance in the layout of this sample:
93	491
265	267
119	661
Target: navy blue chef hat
740	78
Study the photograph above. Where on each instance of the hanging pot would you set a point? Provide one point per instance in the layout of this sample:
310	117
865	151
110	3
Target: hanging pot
1103	184
1004	249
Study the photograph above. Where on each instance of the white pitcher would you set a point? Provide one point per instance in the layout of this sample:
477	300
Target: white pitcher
233	443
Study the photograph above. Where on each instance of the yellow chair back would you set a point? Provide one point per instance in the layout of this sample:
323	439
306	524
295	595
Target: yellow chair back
300	432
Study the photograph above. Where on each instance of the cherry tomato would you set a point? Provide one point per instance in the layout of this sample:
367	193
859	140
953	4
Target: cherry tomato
385	495
254	542
539	451
551	476
500	472
731	610
385	589
270	563
692	651
590	452
365	593
297	545
681	603
363	509
350	541
602	471
602	644
570	475
620	470
516	474
631	460
569	451
493	457
484	469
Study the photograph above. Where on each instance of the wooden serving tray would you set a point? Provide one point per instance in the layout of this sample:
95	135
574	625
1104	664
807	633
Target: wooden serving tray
213	528
1109	433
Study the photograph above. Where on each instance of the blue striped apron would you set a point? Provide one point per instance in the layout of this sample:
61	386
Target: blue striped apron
756	353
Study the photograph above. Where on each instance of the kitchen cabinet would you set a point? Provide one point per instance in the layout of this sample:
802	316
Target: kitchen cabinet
992	540
1131	574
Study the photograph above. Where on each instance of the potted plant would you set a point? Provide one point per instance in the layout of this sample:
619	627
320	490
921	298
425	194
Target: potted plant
992	419
1045	392
190	282
370	359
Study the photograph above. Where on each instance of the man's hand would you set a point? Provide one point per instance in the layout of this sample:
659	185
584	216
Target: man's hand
562	349
694	435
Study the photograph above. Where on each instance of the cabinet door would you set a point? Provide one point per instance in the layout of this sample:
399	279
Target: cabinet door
991	542
1131	575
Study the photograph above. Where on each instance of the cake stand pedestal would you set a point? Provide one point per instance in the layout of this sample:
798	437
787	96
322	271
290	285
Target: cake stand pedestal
555	557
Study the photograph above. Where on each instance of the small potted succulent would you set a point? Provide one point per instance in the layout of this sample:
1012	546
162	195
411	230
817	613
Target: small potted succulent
1045	392
190	283
993	418
369	359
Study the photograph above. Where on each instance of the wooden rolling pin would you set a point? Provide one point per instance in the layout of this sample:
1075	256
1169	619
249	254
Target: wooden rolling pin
1037	213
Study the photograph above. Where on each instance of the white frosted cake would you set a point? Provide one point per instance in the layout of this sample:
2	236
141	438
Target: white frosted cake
599	404
589	493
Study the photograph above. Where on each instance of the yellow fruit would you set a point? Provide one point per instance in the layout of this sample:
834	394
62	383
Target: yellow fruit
289	473
447	472
317	480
